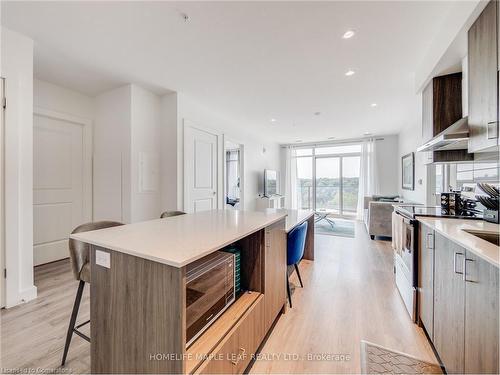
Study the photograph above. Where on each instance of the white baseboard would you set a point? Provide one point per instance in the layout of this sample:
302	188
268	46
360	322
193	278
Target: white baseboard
24	296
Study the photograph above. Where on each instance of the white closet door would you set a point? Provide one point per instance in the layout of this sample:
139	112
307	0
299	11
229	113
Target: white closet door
57	186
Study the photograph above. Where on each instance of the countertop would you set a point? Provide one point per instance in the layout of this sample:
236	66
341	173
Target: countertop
294	217
180	240
453	229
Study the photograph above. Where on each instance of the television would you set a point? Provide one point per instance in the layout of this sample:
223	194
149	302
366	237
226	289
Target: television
270	183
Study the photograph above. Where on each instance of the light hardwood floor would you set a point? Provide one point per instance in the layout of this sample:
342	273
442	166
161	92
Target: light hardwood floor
348	295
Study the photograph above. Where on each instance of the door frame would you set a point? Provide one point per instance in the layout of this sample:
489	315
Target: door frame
219	176
3	282
87	178
227	138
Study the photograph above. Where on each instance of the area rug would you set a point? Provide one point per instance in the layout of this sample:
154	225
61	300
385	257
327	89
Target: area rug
342	228
376	359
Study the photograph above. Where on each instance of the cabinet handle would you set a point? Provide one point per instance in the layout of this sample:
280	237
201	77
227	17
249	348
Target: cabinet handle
495	136
242	350
430	238
455	263
465	270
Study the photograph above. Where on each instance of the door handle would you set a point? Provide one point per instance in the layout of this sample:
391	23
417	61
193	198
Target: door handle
488	125
465	270
455	263
430	245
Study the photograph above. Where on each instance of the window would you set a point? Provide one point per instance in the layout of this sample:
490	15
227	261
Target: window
439	179
328	178
304	152
304	183
341	149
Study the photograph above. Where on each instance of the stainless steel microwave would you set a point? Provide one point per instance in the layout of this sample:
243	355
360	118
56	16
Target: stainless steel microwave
210	289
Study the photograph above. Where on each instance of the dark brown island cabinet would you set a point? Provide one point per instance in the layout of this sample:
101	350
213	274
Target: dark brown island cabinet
483	64
459	304
138	301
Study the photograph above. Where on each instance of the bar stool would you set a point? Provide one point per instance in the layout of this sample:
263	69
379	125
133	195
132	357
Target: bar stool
171	213
295	251
80	264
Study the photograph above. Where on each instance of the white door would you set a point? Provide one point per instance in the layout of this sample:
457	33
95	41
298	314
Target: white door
200	169
58	186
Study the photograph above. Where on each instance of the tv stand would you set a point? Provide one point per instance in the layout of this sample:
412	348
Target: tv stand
275	201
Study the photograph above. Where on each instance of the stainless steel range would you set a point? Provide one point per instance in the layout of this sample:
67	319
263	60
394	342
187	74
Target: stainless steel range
405	244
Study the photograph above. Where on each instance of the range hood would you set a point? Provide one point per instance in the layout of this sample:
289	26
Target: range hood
454	137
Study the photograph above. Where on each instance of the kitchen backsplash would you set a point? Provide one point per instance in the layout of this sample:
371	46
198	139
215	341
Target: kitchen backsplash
484	169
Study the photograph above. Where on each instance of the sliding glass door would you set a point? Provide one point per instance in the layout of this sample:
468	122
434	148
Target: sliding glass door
350	184
328	178
328	184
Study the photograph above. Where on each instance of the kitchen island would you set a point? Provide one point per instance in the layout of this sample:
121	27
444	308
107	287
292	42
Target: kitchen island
138	292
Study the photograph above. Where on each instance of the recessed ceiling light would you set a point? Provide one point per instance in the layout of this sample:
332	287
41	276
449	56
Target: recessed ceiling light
350	73
373	105
298	141
367	133
273	120
348	34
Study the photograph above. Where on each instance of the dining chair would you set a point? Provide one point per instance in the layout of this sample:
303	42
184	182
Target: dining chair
171	213
295	251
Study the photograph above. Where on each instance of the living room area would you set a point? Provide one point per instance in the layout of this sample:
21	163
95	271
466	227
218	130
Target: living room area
344	182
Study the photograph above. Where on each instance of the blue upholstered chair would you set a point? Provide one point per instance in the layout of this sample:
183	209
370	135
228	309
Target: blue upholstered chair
295	251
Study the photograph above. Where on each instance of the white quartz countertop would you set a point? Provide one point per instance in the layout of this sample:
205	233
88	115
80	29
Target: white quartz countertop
454	230
293	218
180	240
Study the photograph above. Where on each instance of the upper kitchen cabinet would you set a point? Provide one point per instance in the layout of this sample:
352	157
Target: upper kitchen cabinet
483	80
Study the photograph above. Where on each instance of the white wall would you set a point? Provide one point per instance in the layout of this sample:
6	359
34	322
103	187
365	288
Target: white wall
169	155
146	145
127	133
112	155
409	139
387	152
255	160
16	67
46	95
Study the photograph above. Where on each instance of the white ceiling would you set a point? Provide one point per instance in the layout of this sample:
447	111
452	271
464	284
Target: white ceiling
248	61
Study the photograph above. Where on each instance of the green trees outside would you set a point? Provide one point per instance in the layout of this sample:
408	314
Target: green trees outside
328	193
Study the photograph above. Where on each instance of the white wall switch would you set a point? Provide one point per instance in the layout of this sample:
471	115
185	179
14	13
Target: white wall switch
103	258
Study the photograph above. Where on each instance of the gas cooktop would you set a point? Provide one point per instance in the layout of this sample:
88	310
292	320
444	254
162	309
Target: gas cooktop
412	211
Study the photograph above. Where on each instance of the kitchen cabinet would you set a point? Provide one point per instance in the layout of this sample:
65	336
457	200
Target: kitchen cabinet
465	326
483	80
449	304
426	279
233	355
481	316
275	272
